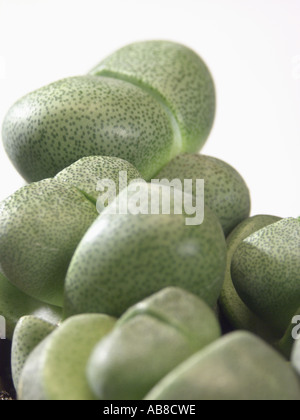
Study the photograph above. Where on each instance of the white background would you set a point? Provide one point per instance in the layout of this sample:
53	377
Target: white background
251	46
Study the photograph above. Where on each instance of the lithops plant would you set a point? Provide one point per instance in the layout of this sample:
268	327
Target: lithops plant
232	306
123	258
226	192
55	369
42	223
146	103
151	339
15	304
29	332
83	245
266	273
239	366
40	227
88	175
176	76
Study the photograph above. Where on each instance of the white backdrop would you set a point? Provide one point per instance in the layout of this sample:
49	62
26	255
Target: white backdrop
251	46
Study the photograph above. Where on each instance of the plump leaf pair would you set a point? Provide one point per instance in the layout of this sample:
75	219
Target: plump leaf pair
166	347
262	284
146	103
56	248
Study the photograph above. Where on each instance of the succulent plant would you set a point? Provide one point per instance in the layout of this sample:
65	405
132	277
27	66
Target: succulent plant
239	366
123	258
42	224
123	288
266	272
123	366
52	373
146	103
226	192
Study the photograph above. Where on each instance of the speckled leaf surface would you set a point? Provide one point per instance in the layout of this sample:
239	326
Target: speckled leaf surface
177	76
226	192
55	126
123	258
40	228
148	103
235	310
14	304
29	332
86	173
266	272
